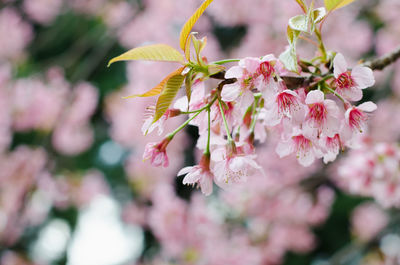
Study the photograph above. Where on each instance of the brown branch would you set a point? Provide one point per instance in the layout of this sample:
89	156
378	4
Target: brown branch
383	61
293	82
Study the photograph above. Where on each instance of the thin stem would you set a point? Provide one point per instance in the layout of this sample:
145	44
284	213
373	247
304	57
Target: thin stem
321	44
309	40
225	61
336	94
207	151
171	135
225	122
321	81
201	109
254	115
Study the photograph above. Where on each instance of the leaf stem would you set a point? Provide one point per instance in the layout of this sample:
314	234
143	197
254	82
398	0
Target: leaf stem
207	151
336	94
183	125
225	61
254	115
225	122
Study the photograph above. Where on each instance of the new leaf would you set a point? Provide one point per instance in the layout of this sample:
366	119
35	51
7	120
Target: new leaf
336	4
158	88
155	52
168	94
187	28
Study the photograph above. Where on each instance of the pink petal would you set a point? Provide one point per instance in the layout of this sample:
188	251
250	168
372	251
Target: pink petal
363	76
339	65
353	94
306	158
284	149
367	106
184	171
268	58
206	184
315	96
237	163
234	72
230	92
192	177
250	64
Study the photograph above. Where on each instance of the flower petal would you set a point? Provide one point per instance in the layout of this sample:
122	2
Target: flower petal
363	76
315	96
367	106
339	65
230	92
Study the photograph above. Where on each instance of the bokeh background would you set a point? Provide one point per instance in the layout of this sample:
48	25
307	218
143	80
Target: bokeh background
74	189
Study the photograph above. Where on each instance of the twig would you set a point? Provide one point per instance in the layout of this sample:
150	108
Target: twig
383	61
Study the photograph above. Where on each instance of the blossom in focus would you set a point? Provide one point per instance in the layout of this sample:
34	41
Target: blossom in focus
305	149
349	83
322	117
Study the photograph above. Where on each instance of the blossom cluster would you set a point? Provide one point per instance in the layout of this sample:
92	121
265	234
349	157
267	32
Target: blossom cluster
372	170
315	121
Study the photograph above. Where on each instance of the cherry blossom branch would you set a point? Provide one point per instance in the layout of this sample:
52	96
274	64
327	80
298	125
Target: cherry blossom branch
384	61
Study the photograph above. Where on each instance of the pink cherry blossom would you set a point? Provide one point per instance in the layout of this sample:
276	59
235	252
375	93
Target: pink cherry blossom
356	117
230	167
350	82
157	154
284	104
331	147
306	150
245	73
322	117
199	174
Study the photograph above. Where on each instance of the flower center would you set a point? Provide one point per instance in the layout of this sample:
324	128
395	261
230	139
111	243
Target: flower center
302	144
318	113
356	119
286	102
266	69
344	80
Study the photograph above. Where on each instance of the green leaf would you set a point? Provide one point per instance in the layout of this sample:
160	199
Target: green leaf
319	14
188	84
289	59
158	88
292	35
215	68
187	28
168	94
155	52
336	4
299	23
302	5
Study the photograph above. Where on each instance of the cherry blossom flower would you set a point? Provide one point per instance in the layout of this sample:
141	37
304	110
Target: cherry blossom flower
356	117
349	83
306	150
156	152
284	104
199	174
231	167
331	147
322	117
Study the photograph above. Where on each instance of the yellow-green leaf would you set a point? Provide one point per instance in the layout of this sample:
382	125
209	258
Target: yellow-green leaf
187	28
336	4
158	88
155	52
289	59
168	94
302	5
